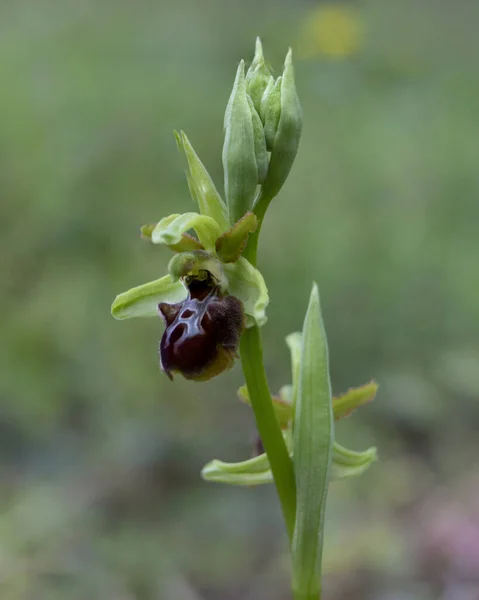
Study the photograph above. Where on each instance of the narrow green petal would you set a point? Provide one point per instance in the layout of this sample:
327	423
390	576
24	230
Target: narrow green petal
201	185
345	404
313	437
170	230
247	284
347	463
142	301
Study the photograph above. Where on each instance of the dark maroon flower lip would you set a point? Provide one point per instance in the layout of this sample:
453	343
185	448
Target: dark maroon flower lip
202	333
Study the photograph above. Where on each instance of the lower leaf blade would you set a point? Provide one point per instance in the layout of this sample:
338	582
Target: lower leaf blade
312	447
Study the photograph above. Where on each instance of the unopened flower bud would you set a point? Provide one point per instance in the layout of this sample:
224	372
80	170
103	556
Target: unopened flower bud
239	154
257	76
265	97
287	134
272	113
260	149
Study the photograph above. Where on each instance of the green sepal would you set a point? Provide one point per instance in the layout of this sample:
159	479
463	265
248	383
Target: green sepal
272	112
257	76
197	264
247	284
313	437
201	185
345	404
287	134
170	230
281	404
232	243
239	157
142	301
348	463
256	471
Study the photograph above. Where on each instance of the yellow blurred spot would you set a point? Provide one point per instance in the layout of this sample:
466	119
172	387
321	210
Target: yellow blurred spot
332	30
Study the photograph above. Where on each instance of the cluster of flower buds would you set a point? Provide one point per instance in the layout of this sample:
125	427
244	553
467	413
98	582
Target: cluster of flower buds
263	123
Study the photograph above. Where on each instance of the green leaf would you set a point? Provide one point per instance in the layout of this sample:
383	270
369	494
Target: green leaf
232	243
142	301
345	404
313	448
247	284
287	133
239	157
170	230
347	463
201	185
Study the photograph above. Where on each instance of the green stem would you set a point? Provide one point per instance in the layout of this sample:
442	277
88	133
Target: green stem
251	351
307	596
259	209
268	427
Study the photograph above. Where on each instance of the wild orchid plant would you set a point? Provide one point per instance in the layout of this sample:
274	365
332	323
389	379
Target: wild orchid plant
213	303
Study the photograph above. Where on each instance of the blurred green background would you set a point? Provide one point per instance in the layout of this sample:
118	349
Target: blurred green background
100	493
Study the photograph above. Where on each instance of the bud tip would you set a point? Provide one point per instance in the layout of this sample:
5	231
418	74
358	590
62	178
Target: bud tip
258	51
288	61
